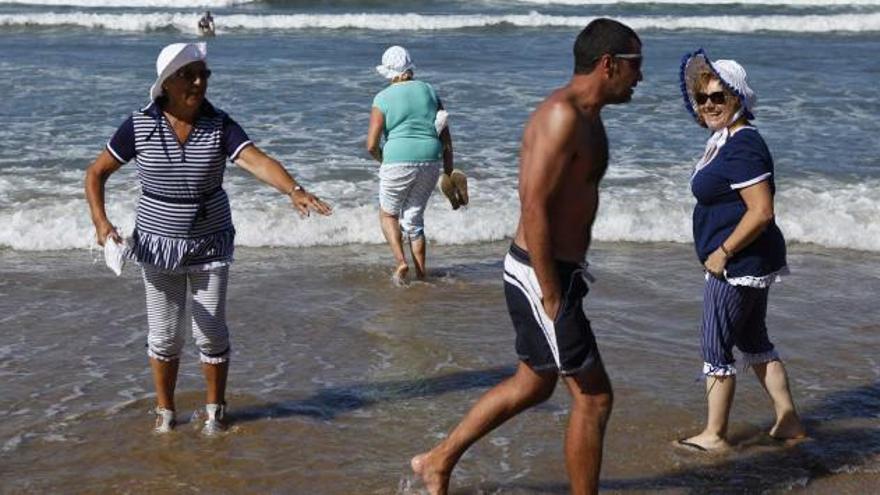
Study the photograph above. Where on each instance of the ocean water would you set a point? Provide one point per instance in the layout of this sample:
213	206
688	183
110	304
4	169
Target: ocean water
338	378
299	78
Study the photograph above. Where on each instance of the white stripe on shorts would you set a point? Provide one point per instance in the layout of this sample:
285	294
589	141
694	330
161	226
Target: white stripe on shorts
523	277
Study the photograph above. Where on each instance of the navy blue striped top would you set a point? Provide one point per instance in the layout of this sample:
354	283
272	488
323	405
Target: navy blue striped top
183	215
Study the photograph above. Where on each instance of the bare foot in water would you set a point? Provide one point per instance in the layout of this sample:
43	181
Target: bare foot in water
436	479
399	277
704	442
788	427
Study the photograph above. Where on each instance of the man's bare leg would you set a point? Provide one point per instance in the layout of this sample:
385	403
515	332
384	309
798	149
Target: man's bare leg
165	381
391	230
774	379
719	393
418	247
524	389
591	401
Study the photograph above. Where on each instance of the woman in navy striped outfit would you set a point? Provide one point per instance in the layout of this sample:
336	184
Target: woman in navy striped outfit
183	236
739	244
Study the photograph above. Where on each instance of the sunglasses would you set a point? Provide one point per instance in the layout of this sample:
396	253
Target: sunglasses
193	74
717	98
636	58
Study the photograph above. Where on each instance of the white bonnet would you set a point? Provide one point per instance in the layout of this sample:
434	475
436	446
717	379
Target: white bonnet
173	57
395	61
731	74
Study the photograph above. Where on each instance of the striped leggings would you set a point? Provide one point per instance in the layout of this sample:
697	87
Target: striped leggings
734	316
167	313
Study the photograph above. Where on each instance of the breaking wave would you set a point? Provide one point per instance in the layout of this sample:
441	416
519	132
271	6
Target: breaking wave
837	23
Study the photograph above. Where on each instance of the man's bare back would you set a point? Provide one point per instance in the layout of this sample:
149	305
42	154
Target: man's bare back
580	148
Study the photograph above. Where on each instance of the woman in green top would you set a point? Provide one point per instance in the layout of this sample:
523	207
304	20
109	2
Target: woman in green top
404	114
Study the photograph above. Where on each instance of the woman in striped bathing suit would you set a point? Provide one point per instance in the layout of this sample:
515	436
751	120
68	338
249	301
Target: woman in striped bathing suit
739	244
183	236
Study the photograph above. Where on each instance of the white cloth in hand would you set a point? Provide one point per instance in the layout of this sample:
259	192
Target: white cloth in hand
114	255
440	121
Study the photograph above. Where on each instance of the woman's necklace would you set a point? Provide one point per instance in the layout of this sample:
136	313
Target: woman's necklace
180	127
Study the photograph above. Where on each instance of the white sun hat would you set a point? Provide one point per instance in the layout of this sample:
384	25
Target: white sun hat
395	61
731	74
173	57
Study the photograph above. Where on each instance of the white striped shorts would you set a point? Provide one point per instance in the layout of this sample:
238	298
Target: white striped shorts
404	190
167	314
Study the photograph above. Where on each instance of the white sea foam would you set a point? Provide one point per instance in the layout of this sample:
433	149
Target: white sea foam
168	4
822	211
174	4
789	3
844	23
12	443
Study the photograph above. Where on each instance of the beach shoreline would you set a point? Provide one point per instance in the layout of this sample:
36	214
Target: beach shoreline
339	377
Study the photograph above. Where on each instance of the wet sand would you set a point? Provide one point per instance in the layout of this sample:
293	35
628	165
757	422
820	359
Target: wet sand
338	378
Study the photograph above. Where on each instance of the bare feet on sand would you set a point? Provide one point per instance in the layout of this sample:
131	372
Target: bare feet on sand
704	442
436	478
399	276
788	427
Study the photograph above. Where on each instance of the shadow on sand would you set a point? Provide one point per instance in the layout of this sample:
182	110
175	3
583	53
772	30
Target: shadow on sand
327	403
759	467
767	466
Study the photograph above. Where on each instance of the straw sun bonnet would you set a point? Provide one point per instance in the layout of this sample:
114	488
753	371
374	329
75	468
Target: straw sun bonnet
173	57
731	74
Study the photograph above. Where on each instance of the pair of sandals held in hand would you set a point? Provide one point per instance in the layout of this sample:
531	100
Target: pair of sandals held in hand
454	187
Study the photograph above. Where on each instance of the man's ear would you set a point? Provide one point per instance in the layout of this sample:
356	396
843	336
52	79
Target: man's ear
606	64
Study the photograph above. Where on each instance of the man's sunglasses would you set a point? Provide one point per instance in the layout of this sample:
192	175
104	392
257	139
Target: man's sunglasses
193	74
635	57
717	98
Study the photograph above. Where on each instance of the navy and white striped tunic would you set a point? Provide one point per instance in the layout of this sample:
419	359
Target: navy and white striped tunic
183	216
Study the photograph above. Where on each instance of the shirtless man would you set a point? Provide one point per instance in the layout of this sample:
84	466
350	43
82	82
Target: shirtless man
563	157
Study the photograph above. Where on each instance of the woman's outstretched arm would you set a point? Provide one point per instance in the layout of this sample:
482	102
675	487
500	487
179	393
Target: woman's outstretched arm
270	171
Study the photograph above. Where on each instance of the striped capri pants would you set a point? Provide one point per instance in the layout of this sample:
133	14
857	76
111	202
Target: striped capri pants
734	316
167	316
404	190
